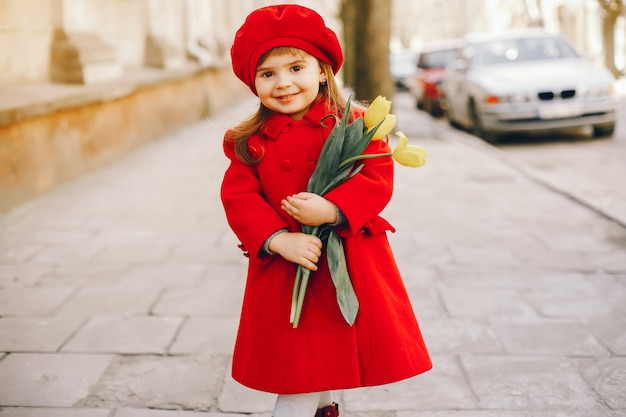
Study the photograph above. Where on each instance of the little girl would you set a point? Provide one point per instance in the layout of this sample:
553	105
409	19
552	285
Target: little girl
288	57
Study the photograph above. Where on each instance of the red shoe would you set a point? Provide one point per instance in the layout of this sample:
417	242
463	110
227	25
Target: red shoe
328	411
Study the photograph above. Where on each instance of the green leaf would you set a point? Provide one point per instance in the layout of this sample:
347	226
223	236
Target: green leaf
330	156
346	297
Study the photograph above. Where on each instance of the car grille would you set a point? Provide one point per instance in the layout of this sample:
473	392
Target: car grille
551	95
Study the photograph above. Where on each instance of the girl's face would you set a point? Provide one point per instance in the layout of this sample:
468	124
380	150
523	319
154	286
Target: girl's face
288	83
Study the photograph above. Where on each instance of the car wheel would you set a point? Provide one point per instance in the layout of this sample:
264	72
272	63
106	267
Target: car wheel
603	130
428	106
477	126
437	111
450	116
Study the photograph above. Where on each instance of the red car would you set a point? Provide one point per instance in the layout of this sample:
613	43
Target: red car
426	82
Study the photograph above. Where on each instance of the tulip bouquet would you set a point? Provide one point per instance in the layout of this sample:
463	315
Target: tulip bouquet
338	163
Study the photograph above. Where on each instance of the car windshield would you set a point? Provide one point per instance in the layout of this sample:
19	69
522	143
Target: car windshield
436	59
523	49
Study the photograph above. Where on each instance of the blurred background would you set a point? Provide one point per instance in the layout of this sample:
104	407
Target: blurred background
84	81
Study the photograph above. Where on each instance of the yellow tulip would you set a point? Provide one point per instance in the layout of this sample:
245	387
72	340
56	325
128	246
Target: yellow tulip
377	111
409	155
383	130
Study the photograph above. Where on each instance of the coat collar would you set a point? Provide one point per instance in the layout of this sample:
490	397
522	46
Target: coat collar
277	122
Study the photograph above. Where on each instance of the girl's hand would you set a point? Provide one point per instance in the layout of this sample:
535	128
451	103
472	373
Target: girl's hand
300	248
310	209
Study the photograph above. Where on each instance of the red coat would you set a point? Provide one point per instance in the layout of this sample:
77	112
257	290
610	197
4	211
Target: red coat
324	353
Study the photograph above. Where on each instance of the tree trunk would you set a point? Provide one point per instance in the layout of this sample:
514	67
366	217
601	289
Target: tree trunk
367	30
608	36
612	10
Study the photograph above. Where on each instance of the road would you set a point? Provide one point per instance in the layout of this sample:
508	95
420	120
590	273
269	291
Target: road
587	170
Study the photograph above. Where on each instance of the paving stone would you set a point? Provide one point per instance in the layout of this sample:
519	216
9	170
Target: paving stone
572	306
126	335
470	255
21	275
31	301
49	380
163	276
426	303
53	412
610	331
509	413
57	255
219	297
15	253
235	398
608	378
529	280
441	387
560	260
206	254
546	337
90	302
145	412
175	383
480	303
458	335
206	336
82	276
126	253
36	334
529	383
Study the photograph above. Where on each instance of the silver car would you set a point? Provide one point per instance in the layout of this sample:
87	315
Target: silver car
527	81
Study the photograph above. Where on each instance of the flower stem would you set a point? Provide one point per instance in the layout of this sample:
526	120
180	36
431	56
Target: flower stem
359	157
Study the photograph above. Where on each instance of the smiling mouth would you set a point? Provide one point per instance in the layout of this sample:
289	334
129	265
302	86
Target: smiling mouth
286	97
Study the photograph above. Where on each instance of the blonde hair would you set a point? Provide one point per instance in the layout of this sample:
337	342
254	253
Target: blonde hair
330	91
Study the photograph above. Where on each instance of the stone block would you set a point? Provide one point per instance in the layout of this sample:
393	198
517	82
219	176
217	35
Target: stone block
458	335
608	379
546	337
31	301
45	380
484	302
206	336
529	383
236	398
161	382
82	58
36	334
160	54
443	387
125	335
53	412
610	330
147	412
113	301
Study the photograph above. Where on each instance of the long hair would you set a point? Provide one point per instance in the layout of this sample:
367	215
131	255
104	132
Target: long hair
329	91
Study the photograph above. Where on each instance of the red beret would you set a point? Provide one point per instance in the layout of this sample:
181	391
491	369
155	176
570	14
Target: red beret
282	25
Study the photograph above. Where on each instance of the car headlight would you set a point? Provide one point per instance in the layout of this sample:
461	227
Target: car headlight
517	98
598	90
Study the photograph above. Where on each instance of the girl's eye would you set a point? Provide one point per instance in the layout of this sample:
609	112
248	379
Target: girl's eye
296	68
267	74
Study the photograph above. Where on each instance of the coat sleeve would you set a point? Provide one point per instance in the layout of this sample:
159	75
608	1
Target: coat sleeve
363	197
248	213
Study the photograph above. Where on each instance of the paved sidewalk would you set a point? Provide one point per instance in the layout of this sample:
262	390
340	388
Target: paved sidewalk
120	292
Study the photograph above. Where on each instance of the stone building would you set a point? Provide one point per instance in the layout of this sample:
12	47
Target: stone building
84	81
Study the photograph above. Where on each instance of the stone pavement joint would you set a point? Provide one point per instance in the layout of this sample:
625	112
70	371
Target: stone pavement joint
120	291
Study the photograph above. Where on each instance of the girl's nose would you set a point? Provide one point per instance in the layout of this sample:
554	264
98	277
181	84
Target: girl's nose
284	80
